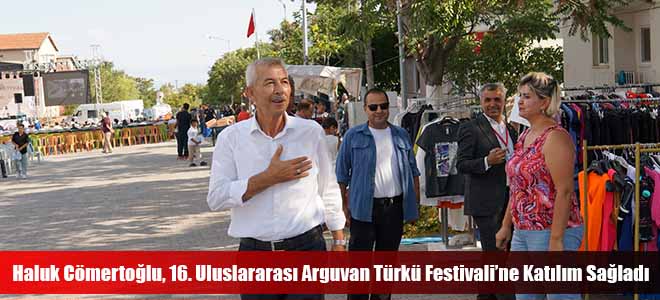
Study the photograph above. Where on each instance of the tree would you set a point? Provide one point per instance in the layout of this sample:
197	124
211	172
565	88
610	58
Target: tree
439	26
326	42
507	53
115	84
227	76
339	31
146	90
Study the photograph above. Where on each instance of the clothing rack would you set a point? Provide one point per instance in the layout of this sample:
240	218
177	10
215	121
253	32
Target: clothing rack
612	100
610	87
639	149
444	212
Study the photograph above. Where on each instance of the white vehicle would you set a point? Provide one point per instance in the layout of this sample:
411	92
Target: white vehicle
120	110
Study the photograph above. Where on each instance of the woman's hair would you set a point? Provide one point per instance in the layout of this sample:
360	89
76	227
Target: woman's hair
544	86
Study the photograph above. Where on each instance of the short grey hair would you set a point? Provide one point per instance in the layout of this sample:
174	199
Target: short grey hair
251	71
494	86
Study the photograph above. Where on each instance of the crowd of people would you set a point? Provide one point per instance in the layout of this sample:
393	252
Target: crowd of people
286	178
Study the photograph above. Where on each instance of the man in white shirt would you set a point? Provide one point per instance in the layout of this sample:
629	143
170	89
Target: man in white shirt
379	179
330	127
274	172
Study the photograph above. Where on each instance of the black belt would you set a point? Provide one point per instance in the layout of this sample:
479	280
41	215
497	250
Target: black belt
388	200
285	244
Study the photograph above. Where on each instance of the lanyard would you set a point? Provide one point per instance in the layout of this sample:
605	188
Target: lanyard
499	136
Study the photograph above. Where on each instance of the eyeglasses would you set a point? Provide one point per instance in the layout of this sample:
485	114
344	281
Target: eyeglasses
383	106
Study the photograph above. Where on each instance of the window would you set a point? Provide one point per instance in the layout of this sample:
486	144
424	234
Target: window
601	51
646	44
91	114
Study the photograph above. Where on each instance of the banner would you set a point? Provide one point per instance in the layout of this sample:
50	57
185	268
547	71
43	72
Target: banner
211	272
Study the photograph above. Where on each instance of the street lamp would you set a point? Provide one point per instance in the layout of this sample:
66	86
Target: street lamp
283	6
213	37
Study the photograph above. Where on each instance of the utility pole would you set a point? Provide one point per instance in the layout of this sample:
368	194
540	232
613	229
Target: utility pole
402	56
304	24
96	68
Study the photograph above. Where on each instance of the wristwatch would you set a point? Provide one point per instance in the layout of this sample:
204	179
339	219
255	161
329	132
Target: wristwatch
339	242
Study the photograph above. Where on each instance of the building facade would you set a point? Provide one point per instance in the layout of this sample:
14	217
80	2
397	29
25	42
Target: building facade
628	57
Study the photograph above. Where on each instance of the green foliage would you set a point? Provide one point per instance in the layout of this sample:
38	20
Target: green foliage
70	109
188	93
427	224
146	90
338	33
227	76
592	16
115	84
436	29
507	52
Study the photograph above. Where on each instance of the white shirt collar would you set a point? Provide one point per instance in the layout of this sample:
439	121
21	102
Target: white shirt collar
289	123
493	122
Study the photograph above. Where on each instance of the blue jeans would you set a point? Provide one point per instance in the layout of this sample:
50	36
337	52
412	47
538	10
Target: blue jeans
22	164
539	240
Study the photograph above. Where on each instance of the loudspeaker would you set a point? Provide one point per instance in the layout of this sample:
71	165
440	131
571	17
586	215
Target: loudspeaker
18	98
28	85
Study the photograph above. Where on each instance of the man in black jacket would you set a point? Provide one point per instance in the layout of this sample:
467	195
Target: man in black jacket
484	145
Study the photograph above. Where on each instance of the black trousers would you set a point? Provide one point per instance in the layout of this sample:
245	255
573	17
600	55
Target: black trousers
182	143
311	240
383	233
488	228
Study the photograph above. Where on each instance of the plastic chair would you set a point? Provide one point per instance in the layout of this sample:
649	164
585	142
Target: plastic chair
117	138
126	136
98	138
54	145
32	153
70	142
140	135
154	134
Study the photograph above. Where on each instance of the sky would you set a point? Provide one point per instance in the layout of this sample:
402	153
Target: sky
165	40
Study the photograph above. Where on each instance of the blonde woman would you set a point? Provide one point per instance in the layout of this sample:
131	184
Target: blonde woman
543	207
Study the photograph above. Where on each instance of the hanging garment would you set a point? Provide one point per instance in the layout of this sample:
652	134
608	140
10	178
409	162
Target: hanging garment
608	229
439	140
645	221
595	202
655	203
624	230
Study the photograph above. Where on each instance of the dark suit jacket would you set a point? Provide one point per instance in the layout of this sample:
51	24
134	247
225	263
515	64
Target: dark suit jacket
485	191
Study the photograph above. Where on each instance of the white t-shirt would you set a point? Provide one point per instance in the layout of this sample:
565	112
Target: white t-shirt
386	180
332	141
193	134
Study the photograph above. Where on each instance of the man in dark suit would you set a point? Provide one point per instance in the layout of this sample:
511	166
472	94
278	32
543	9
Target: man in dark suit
484	145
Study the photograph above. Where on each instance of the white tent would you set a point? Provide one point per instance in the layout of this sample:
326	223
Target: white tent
314	79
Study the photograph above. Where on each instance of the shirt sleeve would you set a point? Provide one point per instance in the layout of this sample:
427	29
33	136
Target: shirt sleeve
344	161
225	189
328	187
486	163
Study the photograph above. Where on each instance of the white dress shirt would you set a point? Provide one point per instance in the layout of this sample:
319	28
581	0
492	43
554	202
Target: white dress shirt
284	210
501	129
332	143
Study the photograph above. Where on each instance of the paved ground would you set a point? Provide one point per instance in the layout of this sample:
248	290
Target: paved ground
138	198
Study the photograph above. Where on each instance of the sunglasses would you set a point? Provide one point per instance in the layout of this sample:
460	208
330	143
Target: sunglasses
383	106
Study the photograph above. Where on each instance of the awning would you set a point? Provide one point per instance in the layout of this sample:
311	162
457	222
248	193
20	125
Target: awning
314	79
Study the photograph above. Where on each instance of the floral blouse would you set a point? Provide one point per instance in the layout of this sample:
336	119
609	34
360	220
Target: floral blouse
532	189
